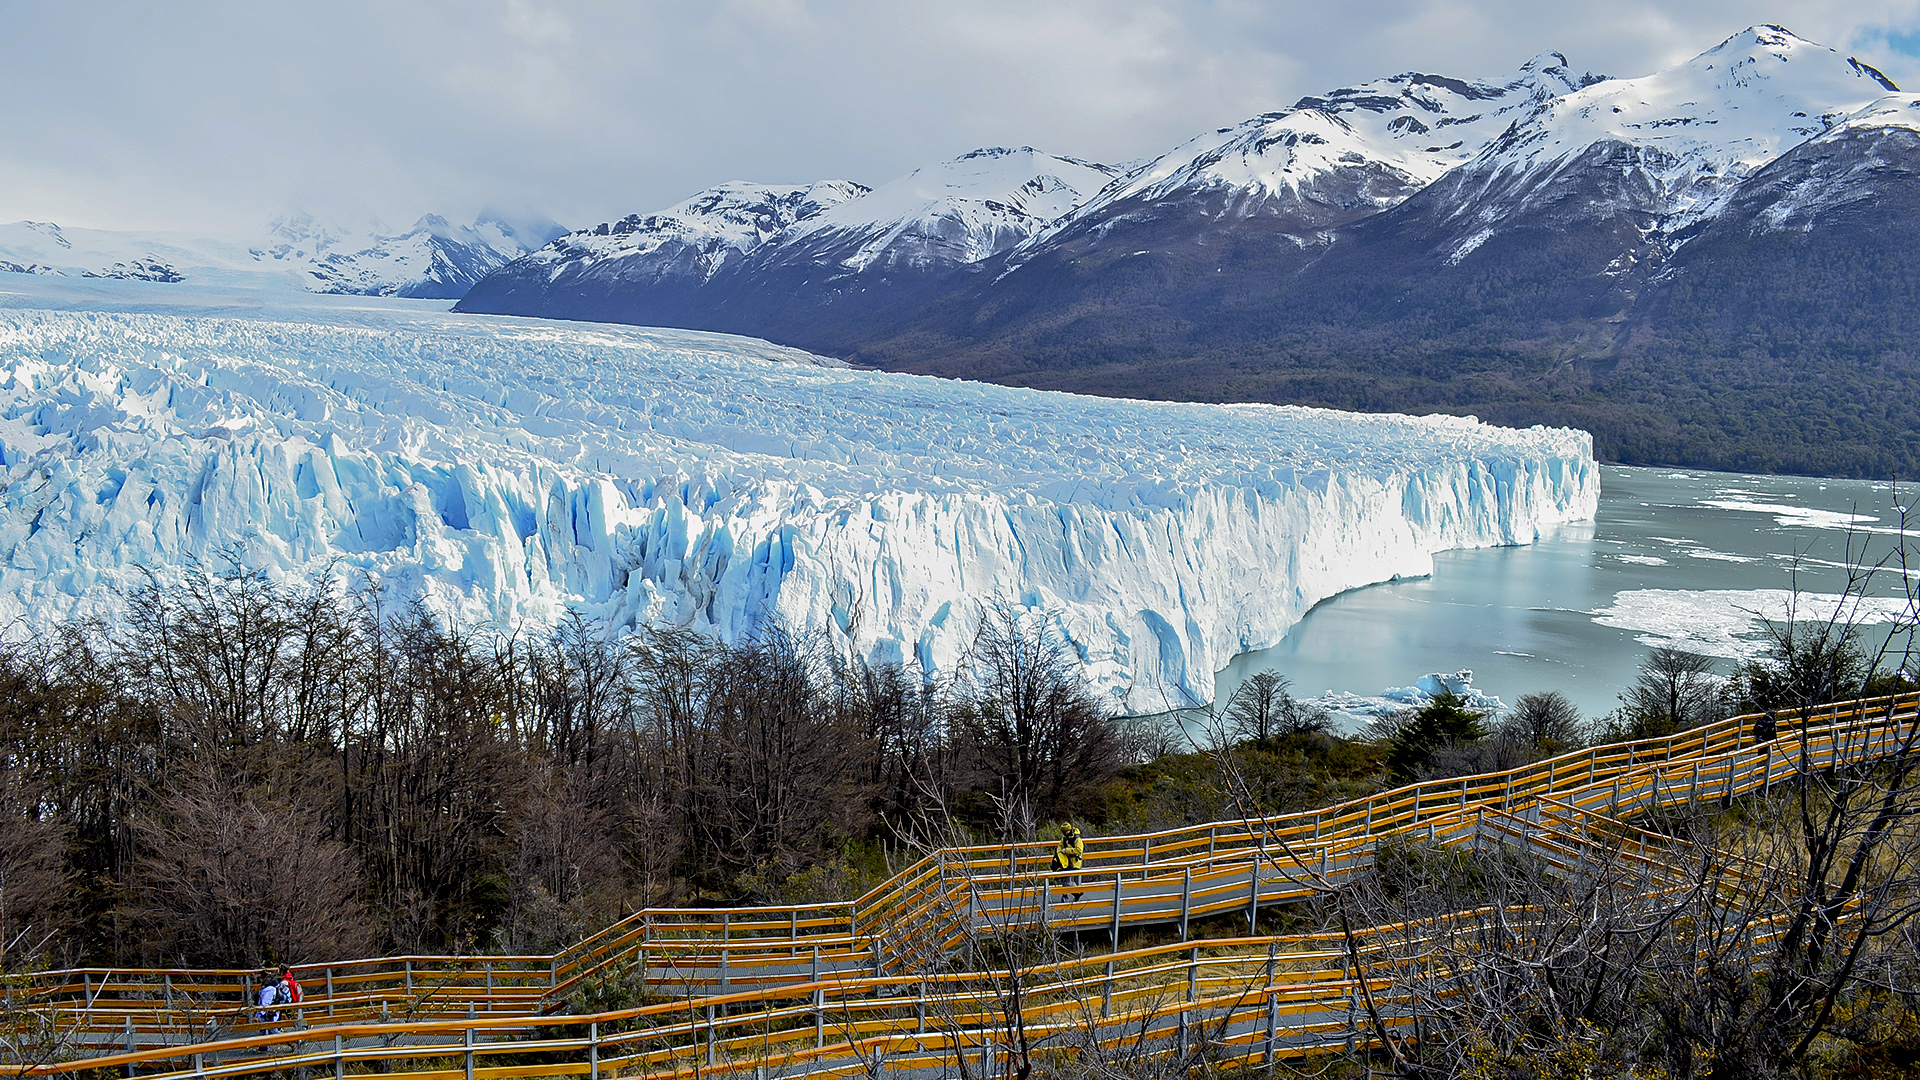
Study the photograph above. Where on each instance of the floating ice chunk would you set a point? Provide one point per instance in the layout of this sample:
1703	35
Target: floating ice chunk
1353	711
1732	623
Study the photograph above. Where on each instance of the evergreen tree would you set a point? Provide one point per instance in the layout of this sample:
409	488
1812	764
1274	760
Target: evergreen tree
1444	721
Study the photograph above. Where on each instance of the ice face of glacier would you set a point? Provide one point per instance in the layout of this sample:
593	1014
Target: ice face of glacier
510	469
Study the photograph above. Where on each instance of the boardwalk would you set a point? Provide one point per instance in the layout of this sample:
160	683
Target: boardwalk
846	988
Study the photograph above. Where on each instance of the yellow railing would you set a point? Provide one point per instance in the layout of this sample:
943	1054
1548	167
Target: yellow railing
397	1008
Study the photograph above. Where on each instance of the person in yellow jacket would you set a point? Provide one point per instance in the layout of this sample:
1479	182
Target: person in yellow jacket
1070	855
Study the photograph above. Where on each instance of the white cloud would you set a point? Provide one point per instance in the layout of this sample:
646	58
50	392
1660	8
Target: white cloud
131	114
536	25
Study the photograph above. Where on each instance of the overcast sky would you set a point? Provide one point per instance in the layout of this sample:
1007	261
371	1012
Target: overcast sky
215	117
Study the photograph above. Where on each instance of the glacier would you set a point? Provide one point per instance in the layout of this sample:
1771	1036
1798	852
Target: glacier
508	470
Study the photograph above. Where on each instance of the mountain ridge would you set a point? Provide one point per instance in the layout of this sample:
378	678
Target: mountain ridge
1520	248
432	259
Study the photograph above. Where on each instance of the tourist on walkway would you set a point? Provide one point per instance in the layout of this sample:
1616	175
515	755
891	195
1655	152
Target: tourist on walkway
1070	856
273	993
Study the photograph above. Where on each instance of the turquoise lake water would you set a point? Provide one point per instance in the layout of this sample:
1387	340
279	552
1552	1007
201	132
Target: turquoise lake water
1687	559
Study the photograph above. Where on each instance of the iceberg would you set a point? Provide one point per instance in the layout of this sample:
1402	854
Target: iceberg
1359	712
507	470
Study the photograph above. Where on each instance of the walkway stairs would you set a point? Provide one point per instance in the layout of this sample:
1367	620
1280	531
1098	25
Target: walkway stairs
844	988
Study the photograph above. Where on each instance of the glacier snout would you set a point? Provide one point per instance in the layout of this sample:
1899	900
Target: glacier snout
509	470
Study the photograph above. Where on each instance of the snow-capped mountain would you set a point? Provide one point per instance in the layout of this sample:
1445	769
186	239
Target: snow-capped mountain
743	246
42	247
692	240
1843	171
433	259
1674	146
508	470
1550	246
954	213
1329	159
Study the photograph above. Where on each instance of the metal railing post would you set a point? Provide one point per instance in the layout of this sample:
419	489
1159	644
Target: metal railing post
468	1038
593	1052
1273	1003
1186	898
1116	910
339	1059
1253	894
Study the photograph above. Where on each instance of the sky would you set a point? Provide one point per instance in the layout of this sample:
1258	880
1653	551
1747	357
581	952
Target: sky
213	118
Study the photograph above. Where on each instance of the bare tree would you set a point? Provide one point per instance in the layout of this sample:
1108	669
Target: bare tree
1675	690
218	645
566	874
34	878
1025	717
788	774
228	880
1545	724
1263	709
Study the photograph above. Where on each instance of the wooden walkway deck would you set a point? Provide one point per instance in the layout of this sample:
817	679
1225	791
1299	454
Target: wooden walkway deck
833	989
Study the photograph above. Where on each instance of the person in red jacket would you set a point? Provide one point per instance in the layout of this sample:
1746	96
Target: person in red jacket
293	985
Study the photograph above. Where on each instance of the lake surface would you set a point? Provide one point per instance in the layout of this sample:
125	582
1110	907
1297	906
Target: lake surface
1687	559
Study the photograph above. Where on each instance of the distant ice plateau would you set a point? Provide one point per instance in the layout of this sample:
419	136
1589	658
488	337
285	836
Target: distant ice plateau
508	470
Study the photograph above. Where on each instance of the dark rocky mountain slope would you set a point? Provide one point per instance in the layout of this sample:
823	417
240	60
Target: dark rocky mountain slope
1710	266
